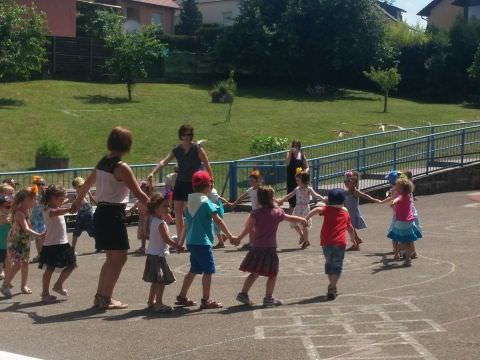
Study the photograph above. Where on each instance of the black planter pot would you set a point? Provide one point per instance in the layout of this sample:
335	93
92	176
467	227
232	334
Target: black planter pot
51	163
222	99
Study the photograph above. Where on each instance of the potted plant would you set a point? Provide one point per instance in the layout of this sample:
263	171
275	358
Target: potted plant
224	91
51	155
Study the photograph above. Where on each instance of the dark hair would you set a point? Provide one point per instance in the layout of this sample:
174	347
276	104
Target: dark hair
336	197
155	202
405	184
304	177
296	143
355	175
183	129
120	139
408	174
265	196
51	192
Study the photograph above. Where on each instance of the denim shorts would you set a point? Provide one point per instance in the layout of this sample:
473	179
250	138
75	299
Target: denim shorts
84	222
201	259
334	256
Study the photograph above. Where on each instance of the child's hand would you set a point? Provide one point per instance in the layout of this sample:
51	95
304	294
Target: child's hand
180	249
43	234
392	203
234	240
304	223
169	219
378	201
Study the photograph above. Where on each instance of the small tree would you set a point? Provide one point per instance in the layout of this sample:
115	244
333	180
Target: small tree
132	52
387	80
190	18
22	41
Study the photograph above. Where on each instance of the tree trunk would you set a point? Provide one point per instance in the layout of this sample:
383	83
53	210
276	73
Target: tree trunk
385	103
129	88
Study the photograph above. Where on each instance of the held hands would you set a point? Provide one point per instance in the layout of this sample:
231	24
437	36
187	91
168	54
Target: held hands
180	248
304	222
235	240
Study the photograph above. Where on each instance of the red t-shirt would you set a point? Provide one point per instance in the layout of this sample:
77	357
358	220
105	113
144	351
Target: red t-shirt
335	224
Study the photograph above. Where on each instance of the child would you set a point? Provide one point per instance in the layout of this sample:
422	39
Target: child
143	217
303	192
200	215
404	229
5	225
157	271
262	259
84	219
56	251
409	176
392	178
18	251
352	203
333	236
218	201
170	180
255	181
38	224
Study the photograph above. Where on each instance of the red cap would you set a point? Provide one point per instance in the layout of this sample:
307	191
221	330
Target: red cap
201	178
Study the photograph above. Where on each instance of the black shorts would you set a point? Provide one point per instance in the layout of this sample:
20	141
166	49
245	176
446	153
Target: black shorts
181	190
110	230
3	255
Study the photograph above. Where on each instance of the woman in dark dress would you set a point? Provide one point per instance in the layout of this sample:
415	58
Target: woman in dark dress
295	159
189	156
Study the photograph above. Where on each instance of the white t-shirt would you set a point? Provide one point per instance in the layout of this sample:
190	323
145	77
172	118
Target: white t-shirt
56	229
252	194
156	244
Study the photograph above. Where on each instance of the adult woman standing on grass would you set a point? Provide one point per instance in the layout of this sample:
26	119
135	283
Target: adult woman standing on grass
189	156
114	180
295	159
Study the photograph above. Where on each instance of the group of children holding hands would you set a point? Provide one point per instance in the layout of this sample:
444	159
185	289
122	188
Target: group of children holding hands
204	212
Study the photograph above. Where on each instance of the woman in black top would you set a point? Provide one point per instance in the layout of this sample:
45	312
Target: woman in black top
190	157
295	159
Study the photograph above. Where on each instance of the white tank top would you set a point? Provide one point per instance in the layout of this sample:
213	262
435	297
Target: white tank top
108	188
156	244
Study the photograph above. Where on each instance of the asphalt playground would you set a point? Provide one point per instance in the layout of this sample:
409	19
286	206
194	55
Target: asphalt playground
384	311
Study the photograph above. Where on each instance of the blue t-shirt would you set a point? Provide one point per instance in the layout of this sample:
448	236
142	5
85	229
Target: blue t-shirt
198	214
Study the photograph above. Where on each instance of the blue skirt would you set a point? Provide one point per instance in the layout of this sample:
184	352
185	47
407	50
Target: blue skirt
404	231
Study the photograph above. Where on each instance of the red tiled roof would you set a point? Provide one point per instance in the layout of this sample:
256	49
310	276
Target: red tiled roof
164	3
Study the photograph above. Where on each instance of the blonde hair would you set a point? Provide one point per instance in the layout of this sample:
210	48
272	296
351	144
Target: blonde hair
265	196
20	197
405	184
6	189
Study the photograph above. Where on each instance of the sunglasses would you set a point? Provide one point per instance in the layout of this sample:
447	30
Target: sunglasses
188	134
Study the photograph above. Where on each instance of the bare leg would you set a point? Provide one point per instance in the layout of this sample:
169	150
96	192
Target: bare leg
153	294
114	264
12	269
333	279
187	282
74	242
159	297
300	234
206	285
271	281
179	222
249	281
47	277
24	275
396	250
38	245
61	279
101	279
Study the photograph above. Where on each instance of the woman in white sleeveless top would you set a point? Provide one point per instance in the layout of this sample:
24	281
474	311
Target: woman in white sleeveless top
114	180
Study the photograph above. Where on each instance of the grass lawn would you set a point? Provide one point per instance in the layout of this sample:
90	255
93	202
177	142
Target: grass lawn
81	114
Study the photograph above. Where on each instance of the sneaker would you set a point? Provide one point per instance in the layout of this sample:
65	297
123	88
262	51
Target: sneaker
244	299
269	302
331	293
6	292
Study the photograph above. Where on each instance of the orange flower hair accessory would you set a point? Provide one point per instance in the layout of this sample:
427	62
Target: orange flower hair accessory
34	188
255	172
298	170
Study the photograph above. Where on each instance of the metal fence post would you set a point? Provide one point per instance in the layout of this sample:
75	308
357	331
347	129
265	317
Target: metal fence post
316	170
462	158
394	156
432	145
427	156
233	180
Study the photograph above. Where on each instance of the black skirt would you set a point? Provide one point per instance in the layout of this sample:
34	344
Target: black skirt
110	230
181	190
57	256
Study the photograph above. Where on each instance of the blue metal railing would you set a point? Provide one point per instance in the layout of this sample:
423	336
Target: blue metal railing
433	148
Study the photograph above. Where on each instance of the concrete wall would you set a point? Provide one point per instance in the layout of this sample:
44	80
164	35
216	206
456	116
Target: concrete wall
444	15
61	15
146	14
214	12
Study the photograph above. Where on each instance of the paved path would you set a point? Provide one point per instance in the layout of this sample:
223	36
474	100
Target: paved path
429	311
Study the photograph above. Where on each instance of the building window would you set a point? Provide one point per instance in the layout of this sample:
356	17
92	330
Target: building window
133	14
227	18
157	19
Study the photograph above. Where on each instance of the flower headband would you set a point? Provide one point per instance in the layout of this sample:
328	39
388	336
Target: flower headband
298	170
255	172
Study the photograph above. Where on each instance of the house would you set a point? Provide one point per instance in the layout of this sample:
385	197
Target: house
443	13
224	12
60	14
139	13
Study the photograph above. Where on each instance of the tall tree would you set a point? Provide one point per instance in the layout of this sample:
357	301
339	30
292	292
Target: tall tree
190	18
132	53
22	41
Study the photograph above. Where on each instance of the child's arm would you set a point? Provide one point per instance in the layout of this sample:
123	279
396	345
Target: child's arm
221	224
162	228
367	197
249	224
58	212
161	164
92	199
295	219
287	197
316	195
225	201
313	213
387	199
22	221
240	199
396	200
351	233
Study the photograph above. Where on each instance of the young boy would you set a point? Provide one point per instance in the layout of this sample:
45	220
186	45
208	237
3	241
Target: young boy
333	237
84	219
200	214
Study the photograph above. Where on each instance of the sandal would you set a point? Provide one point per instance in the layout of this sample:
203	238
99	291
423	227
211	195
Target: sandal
305	245
414	255
60	291
98	300
210	304
407	263
331	293
301	240
353	248
48	298
26	290
162	309
219	246
139	251
5	291
184	301
396	257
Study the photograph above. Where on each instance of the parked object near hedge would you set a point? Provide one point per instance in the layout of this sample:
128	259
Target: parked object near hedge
51	155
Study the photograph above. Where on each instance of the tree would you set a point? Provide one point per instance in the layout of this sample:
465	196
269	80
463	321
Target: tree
387	80
190	18
132	52
22	41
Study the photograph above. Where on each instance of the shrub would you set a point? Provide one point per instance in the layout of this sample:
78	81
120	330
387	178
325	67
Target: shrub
224	88
52	149
268	144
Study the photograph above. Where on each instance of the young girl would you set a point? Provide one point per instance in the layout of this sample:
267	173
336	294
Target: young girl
5	225
392	178
255	181
262	259
218	201
56	251
302	192
409	176
404	229
18	252
38	224
352	203
157	271
84	219
143	217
